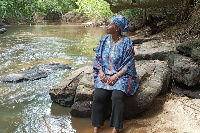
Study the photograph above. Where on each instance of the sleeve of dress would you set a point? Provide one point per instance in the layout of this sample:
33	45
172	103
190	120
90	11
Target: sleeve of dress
97	59
128	61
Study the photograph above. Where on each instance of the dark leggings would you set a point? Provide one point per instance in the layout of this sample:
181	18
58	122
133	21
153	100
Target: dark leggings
100	104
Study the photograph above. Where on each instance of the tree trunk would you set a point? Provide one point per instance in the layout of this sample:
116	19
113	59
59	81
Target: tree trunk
144	12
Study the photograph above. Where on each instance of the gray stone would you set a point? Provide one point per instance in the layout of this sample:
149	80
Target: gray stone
190	48
34	73
84	96
13	77
187	47
189	91
35	76
84	93
3	30
85	89
153	77
64	92
196	54
81	109
142	40
154	51
186	71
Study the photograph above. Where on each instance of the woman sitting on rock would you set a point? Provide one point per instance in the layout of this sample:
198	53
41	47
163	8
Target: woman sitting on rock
114	73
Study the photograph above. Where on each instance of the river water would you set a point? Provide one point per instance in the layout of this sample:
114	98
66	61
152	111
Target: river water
26	107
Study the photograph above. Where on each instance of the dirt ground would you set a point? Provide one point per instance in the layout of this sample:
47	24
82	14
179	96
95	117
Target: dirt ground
168	114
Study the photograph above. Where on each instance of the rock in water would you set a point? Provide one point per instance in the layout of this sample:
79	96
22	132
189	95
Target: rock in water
64	92
2	30
34	73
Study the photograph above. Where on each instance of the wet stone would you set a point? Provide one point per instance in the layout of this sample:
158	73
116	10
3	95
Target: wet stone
13	77
2	30
34	73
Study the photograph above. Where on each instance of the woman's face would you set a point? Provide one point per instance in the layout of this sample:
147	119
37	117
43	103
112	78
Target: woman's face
111	28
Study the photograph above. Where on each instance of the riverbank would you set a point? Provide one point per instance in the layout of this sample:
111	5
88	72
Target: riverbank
168	114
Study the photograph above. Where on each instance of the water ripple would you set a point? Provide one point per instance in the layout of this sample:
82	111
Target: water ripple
26	106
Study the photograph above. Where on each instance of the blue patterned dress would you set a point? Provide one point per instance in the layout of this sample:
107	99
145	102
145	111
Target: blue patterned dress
113	58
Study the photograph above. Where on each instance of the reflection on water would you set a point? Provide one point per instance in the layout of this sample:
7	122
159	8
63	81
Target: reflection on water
26	106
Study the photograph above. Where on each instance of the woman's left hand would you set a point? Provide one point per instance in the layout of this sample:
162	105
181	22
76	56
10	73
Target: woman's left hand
112	80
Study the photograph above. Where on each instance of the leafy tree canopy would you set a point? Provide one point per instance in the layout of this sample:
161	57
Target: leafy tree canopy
94	9
24	10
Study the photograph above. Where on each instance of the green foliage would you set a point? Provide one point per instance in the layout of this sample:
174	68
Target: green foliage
95	9
20	10
131	13
3	5
187	47
152	10
56	5
190	48
196	54
24	10
198	2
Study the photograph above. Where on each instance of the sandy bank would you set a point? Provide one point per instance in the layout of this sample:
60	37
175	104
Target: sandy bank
168	114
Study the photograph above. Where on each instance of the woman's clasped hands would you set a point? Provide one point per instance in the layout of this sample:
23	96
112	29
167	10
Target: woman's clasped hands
111	80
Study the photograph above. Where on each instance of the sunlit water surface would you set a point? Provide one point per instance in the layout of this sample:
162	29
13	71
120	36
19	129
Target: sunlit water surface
26	106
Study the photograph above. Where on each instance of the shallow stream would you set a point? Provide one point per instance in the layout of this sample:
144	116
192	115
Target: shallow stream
26	107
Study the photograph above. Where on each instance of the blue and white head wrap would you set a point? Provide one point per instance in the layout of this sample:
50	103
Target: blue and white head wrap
122	22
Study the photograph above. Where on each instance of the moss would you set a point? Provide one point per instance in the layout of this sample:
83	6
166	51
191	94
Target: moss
171	58
187	47
196	54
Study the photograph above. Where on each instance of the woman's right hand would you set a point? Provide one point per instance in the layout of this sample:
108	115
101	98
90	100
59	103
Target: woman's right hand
102	76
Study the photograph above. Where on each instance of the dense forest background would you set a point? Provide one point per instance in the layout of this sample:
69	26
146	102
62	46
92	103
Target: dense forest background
157	16
26	11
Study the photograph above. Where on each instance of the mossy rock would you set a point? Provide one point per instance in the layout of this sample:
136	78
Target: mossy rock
188	47
196	54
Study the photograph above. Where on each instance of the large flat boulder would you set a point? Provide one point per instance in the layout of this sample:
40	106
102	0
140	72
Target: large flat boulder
154	51
153	76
